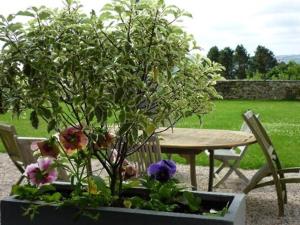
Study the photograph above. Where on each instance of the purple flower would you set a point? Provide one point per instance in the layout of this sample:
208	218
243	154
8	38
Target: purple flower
42	172
162	170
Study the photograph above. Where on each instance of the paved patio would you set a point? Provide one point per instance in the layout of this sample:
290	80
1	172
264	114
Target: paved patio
261	203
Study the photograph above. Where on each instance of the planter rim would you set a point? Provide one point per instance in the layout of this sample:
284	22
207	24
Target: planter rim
227	217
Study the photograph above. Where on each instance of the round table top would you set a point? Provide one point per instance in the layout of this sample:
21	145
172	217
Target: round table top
202	139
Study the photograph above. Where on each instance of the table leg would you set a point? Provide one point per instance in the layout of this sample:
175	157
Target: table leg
192	159
211	170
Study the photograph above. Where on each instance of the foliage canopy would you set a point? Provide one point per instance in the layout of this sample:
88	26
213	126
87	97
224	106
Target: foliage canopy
130	65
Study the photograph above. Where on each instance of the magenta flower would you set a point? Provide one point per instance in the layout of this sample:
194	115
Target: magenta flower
42	172
73	139
162	170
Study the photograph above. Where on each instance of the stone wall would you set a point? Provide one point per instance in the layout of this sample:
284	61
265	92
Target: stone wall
273	90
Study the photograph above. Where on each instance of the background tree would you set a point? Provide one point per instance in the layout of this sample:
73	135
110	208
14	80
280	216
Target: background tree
240	59
264	60
213	54
278	72
226	59
283	71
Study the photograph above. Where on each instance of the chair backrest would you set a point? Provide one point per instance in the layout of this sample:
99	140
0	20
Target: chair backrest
264	141
147	154
245	128
7	135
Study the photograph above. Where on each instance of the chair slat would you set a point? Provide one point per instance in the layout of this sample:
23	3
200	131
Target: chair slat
147	154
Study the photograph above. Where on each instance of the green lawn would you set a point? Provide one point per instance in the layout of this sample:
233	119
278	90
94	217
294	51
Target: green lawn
281	119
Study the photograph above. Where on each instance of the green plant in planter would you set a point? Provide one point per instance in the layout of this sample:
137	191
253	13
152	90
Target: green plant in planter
164	192
158	191
131	66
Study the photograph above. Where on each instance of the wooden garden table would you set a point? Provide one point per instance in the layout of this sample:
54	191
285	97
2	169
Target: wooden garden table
189	142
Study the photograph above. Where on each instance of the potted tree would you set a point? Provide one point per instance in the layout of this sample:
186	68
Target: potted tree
131	66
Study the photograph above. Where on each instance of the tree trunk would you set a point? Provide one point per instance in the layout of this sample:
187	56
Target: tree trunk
2	110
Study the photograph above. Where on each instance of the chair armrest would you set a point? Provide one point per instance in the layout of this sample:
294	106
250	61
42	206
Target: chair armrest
24	144
30	139
290	170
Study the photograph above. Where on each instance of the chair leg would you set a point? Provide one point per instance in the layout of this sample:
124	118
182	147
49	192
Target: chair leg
241	175
169	156
285	195
283	186
220	168
20	180
229	172
280	199
257	177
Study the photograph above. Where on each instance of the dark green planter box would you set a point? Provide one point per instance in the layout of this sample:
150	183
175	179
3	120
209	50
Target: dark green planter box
12	210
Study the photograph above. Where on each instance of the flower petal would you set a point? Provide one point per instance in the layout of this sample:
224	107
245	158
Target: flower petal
44	163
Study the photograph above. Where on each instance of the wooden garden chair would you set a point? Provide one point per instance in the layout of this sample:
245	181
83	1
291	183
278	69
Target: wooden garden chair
231	158
19	149
272	168
146	155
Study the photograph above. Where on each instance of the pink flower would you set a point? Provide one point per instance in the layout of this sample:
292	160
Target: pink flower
73	139
41	173
129	171
105	140
48	148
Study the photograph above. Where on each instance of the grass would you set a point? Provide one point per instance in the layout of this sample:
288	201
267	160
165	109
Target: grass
281	119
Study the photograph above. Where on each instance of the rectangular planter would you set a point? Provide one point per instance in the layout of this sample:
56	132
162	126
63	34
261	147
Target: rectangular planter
12	210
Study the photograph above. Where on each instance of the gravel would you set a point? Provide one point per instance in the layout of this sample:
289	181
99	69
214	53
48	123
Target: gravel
261	203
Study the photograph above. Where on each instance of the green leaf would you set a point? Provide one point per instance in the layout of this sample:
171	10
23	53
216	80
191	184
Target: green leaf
161	2
100	114
2	18
14	26
150	128
10	17
119	93
187	14
25	13
127	203
55	197
25	192
164	192
106	15
131	183
137	202
44	15
34	119
100	185
45	112
69	2
46	188
35	9
51	125
193	201
32	211
3	39
124	128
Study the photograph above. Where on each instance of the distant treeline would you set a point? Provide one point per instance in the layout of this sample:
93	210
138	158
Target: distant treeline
262	66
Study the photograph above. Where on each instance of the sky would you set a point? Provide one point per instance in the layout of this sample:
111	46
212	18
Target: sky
274	24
